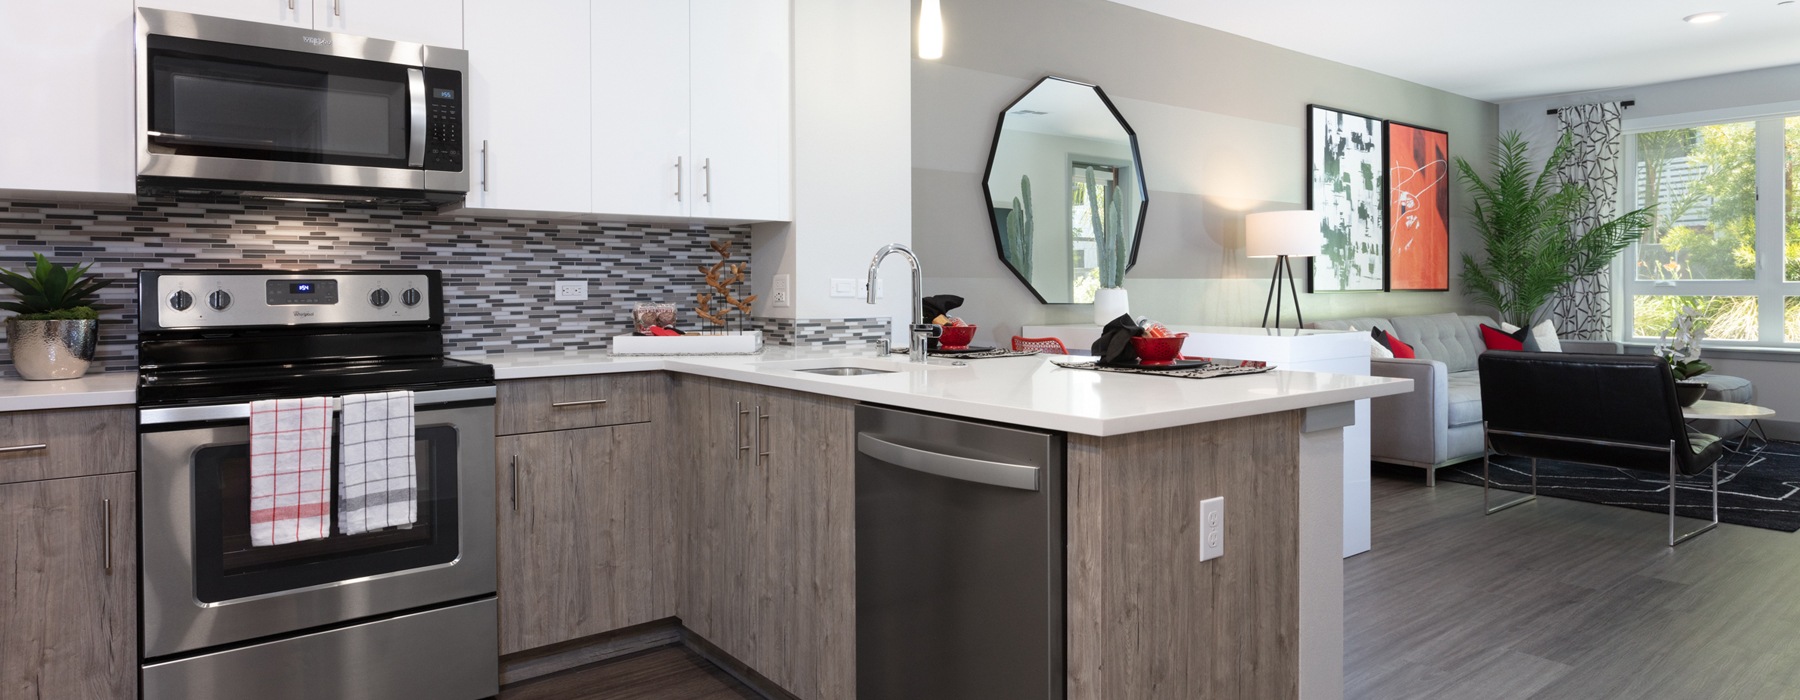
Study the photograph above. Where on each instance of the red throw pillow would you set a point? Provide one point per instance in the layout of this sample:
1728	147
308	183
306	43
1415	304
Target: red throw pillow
1401	350
1497	339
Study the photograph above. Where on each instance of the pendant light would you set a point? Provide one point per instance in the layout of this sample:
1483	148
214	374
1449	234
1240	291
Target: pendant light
931	30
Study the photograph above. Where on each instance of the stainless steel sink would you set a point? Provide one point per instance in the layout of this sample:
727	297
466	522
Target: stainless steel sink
845	371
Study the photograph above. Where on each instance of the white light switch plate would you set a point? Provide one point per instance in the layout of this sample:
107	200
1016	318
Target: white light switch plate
844	287
571	290
1212	528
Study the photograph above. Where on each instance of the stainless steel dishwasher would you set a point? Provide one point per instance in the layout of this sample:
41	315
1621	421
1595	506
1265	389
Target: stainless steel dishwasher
959	559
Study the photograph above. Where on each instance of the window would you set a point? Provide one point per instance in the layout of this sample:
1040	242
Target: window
1725	237
1084	258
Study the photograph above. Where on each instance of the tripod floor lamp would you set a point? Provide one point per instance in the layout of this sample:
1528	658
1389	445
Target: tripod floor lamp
1282	235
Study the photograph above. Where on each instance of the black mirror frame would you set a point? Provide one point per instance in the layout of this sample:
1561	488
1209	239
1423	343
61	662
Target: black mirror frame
987	194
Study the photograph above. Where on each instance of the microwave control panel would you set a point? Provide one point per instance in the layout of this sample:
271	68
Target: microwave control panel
443	120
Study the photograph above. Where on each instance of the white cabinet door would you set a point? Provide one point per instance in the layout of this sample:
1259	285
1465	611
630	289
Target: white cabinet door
742	109
298	13
431	22
69	115
529	130
641	160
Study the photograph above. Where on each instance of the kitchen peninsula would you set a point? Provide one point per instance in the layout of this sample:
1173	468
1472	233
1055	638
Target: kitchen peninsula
712	499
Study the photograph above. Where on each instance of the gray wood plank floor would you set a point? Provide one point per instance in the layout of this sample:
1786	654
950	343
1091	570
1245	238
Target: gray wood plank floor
666	673
1563	600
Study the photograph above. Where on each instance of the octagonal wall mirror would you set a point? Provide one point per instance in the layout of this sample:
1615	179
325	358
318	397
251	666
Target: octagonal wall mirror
1048	146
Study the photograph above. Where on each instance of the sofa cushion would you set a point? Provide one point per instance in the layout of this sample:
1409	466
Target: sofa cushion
1465	398
1447	338
1344	324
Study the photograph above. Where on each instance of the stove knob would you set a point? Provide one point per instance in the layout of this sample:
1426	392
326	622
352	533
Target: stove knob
410	297
180	301
219	300
379	298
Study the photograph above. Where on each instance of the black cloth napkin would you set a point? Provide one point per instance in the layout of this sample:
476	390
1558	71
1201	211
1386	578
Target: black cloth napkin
940	305
1114	345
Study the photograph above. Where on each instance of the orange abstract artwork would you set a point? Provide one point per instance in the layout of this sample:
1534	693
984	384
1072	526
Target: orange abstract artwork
1418	208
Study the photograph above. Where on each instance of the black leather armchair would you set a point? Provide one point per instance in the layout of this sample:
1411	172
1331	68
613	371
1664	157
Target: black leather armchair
1611	410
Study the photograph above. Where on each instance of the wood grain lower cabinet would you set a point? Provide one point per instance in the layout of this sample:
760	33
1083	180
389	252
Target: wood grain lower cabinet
588	533
770	576
68	569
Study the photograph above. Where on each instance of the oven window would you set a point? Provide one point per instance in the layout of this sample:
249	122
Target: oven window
221	100
227	567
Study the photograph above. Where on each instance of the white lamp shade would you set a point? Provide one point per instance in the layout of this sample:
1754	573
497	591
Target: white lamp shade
1291	233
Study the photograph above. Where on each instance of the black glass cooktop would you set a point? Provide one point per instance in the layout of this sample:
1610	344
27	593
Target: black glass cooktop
231	384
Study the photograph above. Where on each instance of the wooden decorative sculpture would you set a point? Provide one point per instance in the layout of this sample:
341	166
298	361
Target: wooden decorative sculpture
723	277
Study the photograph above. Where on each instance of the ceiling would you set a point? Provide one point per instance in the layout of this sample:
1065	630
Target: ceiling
1065	108
1503	50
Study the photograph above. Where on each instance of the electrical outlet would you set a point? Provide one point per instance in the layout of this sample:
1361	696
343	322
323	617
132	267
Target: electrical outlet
1212	528
571	290
781	294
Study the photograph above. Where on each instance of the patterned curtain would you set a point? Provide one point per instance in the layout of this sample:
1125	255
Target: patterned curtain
1583	309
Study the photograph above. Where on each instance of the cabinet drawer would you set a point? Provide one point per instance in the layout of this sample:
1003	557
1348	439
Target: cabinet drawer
37	445
562	403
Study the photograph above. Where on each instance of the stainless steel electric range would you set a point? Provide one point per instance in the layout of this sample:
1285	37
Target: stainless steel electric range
400	612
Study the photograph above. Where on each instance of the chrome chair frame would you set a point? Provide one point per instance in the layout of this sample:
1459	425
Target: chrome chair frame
1668	449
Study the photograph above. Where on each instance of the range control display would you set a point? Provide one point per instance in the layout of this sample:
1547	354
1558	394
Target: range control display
292	292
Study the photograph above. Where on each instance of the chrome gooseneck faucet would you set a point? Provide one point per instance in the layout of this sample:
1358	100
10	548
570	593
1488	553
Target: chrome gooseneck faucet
919	330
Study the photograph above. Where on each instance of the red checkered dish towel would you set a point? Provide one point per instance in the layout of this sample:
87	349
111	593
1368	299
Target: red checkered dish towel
290	470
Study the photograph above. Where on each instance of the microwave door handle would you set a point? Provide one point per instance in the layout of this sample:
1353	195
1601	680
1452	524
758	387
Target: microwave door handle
415	152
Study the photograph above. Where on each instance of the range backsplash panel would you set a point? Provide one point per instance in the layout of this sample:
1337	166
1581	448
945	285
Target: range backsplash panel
499	274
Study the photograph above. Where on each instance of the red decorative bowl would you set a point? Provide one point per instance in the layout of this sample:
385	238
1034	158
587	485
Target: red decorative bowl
1158	351
956	337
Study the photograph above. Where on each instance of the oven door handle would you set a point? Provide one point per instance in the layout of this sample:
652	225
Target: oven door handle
415	150
241	411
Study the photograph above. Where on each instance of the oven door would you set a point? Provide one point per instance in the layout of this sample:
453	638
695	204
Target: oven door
232	101
205	585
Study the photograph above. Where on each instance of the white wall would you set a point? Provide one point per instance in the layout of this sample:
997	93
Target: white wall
852	146
1776	374
1221	125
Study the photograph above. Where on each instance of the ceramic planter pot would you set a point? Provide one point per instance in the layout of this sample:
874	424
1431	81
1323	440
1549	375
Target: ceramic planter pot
1110	303
52	349
1689	392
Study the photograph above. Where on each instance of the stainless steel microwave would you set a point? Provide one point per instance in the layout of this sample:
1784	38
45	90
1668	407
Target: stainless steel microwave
226	106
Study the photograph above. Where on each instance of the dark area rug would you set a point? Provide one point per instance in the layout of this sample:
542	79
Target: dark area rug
1759	487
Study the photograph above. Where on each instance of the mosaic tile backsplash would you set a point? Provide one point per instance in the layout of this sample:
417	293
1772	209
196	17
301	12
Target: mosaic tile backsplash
499	274
828	332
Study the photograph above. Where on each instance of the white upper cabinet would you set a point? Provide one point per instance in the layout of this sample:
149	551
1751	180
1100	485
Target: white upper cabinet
68	120
433	22
529	124
429	22
641	158
692	109
742	109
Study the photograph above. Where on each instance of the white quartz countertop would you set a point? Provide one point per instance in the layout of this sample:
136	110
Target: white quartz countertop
1027	391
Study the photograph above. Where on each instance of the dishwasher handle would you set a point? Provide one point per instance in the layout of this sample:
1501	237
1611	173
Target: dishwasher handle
981	471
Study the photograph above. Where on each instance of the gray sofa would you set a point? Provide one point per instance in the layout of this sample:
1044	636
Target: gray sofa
1439	422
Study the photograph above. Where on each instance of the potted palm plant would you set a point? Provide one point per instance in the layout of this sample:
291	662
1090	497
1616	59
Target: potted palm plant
56	330
1527	223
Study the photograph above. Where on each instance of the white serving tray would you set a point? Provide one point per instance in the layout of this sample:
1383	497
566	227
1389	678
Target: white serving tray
739	343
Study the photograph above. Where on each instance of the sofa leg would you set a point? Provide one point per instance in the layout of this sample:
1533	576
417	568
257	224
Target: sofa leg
1431	477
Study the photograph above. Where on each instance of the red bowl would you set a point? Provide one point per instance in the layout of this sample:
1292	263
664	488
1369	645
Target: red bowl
956	337
1158	351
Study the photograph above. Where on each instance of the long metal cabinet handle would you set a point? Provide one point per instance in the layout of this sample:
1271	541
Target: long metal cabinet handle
484	160
515	483
291	4
706	166
334	8
677	178
981	471
415	147
589	402
742	447
106	536
762	443
24	448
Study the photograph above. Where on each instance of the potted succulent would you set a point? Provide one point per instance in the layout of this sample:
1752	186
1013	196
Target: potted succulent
1683	355
1114	244
56	330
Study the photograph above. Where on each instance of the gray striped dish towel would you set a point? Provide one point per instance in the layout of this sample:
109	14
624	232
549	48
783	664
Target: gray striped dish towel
377	483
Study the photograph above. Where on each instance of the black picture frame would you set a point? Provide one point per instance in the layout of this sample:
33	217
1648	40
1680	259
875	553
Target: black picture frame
1389	216
1359	225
